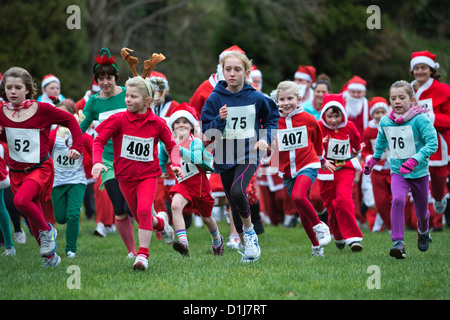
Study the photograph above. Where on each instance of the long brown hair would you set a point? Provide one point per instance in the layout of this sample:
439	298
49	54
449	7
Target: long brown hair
17	72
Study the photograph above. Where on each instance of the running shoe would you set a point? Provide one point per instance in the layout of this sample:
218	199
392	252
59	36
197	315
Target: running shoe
252	251
141	263
356	246
9	252
423	241
181	247
322	234
317	251
340	244
48	241
167	233
53	261
100	230
218	251
20	237
398	251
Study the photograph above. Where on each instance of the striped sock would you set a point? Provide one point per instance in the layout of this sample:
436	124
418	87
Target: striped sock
215	237
182	236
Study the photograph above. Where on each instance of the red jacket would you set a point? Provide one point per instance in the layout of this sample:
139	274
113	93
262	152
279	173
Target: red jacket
135	140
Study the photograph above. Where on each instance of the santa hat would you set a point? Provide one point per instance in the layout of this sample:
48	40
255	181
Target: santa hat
48	79
94	86
230	49
307	73
156	74
378	102
255	72
334	100
184	110
355	83
424	57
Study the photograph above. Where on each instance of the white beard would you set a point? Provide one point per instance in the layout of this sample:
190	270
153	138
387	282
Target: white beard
219	73
354	106
302	89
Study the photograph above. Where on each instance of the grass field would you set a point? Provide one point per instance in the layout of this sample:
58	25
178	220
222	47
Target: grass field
286	270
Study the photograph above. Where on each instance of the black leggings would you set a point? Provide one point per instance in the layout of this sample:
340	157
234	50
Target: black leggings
119	204
235	182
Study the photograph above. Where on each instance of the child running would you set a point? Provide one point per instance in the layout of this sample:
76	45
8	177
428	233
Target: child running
135	135
26	127
239	119
300	153
412	139
70	179
5	222
194	191
341	140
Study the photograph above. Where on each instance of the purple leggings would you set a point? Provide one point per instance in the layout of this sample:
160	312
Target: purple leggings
419	190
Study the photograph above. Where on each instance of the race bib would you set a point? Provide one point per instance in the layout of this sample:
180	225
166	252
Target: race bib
137	149
24	145
338	149
189	170
62	161
105	115
401	142
294	138
428	106
240	123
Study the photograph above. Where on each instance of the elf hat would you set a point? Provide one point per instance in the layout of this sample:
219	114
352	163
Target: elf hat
356	83
184	110
230	49
378	102
307	73
49	79
424	57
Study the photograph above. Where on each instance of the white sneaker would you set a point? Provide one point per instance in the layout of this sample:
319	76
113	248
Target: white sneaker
317	251
141	263
235	243
439	206
100	230
167	234
322	234
71	254
9	252
54	261
110	229
20	237
252	251
131	255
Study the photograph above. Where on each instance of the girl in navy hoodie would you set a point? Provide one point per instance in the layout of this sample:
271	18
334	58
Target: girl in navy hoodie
240	120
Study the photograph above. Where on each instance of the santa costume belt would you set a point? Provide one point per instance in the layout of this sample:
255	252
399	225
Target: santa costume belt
33	167
339	163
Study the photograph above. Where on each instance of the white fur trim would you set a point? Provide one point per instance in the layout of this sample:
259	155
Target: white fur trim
304	76
336	104
48	80
379	105
182	114
426	60
356	86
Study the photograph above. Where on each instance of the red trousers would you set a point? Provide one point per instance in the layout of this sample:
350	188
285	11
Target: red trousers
337	196
381	183
140	196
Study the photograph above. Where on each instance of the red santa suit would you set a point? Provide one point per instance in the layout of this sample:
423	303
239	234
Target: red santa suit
336	187
357	108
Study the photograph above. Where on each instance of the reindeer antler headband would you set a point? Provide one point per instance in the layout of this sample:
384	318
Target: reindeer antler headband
160	86
148	64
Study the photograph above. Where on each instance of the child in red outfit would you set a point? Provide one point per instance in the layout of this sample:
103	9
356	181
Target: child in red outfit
194	191
135	134
341	140
300	150
26	127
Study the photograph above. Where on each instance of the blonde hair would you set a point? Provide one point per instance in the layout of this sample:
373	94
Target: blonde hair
24	75
287	86
406	85
243	58
144	87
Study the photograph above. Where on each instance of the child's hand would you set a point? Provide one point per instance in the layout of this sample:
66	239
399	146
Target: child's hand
408	166
369	165
178	172
164	175
262	145
327	165
223	112
325	139
74	154
97	169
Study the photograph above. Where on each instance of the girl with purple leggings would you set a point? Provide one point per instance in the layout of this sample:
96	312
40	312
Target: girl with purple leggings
411	139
